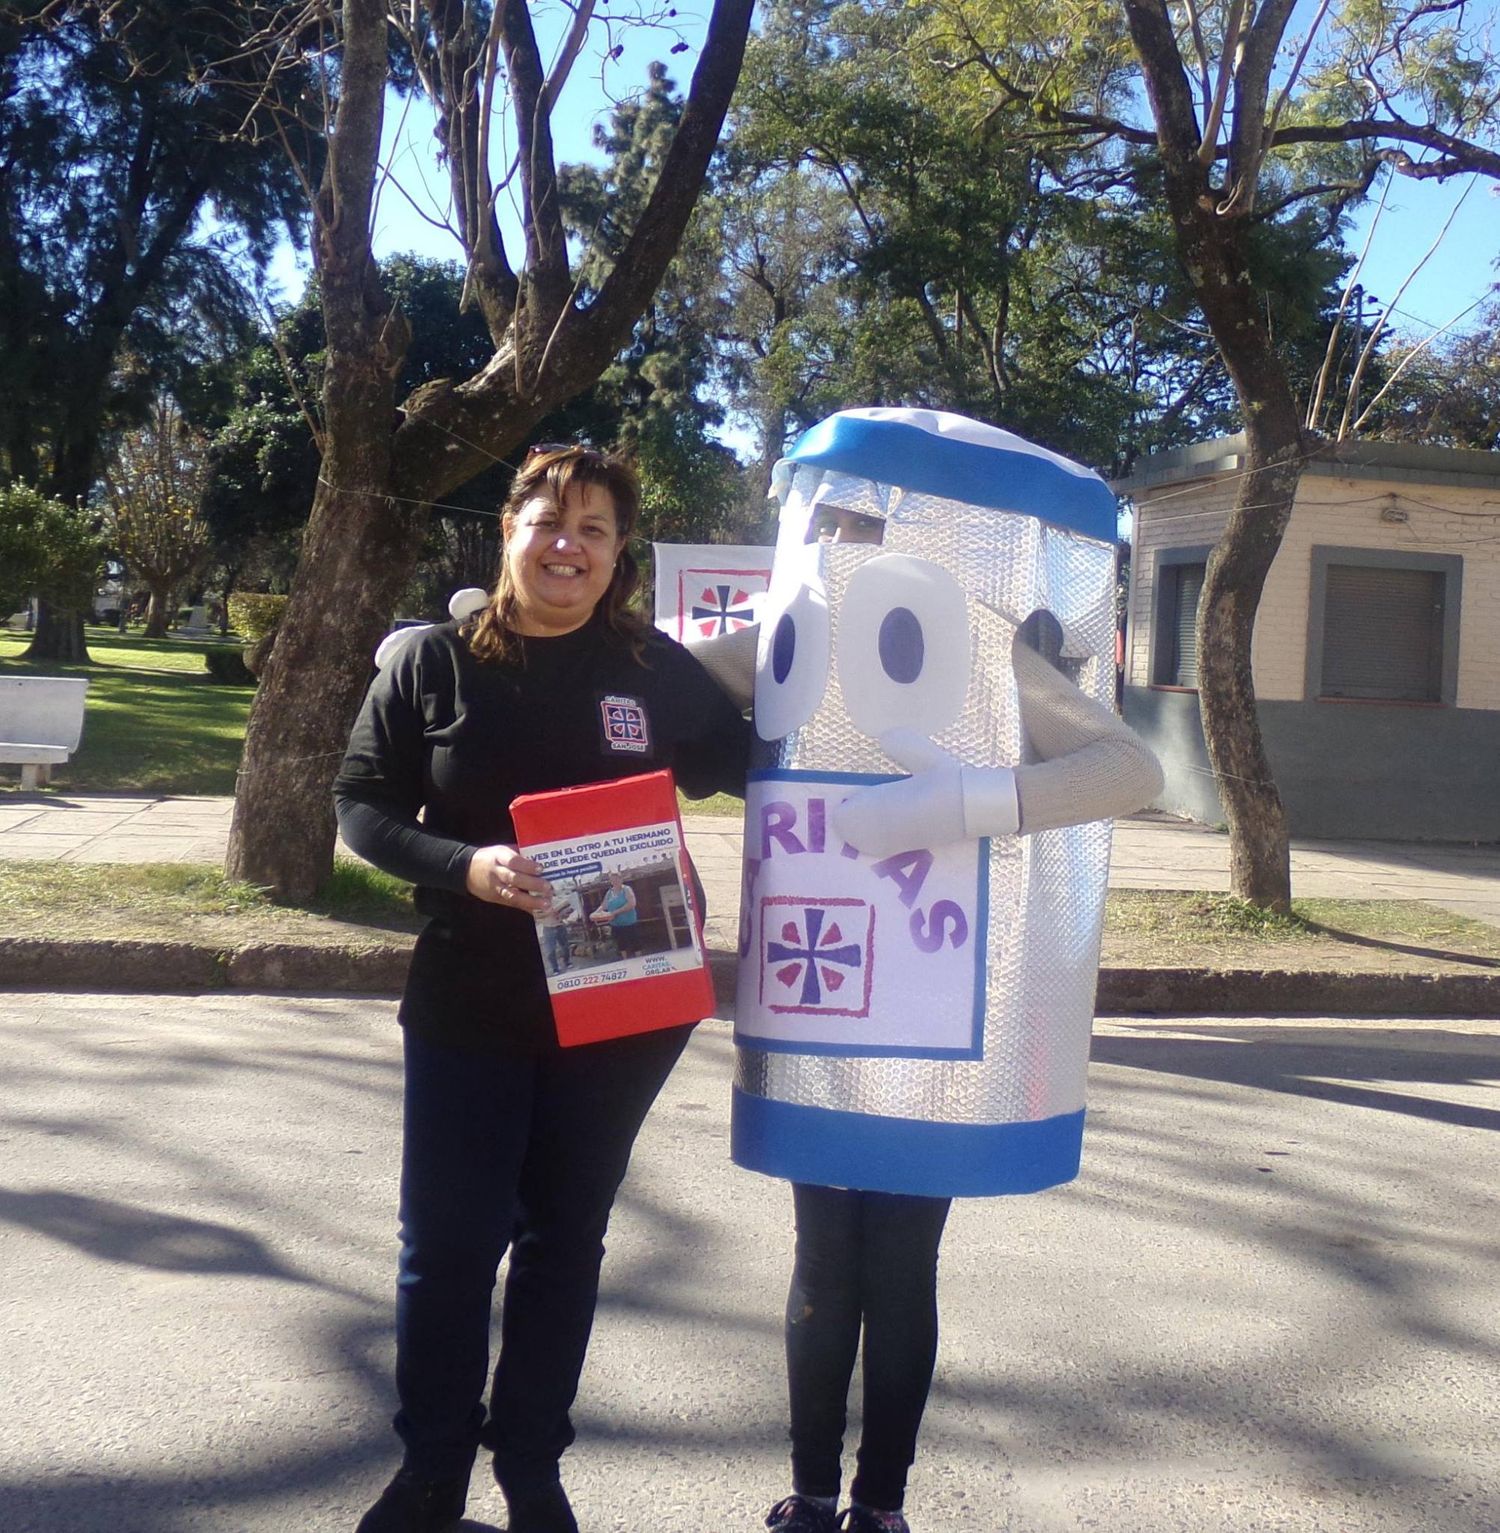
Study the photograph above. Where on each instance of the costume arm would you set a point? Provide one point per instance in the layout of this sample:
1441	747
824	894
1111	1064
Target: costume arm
1092	765
730	659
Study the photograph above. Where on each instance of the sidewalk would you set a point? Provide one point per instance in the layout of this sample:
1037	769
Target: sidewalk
1150	851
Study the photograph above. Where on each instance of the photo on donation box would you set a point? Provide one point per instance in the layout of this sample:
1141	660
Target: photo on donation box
619	909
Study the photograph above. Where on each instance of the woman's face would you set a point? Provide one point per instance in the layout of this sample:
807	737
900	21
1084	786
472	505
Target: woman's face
561	558
616	879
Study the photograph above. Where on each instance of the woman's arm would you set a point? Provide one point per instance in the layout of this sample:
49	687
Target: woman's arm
379	791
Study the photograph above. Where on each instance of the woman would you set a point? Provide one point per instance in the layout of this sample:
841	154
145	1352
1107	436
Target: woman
618	912
525	697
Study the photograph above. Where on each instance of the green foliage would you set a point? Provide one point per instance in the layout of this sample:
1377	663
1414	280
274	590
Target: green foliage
119	127
226	664
47	549
882	243
254	614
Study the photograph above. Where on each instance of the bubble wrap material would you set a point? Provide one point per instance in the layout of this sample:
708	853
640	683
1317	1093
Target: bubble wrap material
1046	891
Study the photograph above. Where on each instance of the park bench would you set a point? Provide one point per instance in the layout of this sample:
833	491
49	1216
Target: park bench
41	722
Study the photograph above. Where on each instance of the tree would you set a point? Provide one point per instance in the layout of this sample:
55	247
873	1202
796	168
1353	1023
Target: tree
884	241
119	128
48	550
385	459
1444	392
1243	126
153	488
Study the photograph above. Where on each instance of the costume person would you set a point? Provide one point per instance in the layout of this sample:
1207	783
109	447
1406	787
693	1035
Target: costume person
509	1141
922	906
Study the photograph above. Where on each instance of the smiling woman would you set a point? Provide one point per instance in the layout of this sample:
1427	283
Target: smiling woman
508	1138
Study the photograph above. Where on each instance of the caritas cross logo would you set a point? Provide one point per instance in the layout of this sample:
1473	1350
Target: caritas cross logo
717	611
823	946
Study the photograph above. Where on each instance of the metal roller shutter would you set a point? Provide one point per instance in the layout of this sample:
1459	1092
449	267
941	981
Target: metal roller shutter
1383	633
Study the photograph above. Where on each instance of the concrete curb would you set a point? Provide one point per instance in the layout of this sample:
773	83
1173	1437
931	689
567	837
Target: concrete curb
118	966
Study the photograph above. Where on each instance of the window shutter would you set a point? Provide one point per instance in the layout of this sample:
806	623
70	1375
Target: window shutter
1184	617
1383	633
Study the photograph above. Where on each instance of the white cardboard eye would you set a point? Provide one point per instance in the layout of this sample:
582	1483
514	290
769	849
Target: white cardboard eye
791	668
903	646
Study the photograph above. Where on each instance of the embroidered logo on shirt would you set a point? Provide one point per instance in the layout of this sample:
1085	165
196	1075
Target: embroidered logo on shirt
625	726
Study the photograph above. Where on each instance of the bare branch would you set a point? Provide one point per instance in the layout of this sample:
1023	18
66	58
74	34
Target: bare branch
1214	111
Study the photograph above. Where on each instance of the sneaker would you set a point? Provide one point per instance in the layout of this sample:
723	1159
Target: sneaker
865	1519
796	1514
410	1504
541	1511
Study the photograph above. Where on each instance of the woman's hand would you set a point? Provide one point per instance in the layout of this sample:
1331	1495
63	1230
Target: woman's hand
502	876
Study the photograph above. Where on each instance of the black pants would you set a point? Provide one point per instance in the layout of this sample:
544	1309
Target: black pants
863	1259
525	1152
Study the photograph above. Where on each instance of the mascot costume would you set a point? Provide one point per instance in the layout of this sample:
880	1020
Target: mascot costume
927	821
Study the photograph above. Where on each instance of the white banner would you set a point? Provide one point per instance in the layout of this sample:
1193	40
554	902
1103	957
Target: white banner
707	589
841	953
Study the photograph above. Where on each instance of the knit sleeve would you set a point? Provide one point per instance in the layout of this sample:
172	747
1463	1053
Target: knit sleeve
1091	766
379	791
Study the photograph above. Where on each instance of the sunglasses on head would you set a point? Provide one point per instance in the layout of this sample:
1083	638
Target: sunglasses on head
546	449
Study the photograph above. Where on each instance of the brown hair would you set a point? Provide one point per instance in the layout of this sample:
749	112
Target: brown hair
554	471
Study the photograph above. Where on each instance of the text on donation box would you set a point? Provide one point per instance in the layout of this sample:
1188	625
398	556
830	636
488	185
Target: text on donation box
842	953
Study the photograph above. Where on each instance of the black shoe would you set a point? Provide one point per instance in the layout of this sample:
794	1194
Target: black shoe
540	1511
796	1514
864	1519
410	1504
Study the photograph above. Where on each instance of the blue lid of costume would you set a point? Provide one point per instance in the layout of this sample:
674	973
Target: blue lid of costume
938	453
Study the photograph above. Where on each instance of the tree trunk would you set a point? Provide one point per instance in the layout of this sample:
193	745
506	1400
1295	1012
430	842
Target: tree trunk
59	636
1210	223
1259	850
360	540
361	546
158	613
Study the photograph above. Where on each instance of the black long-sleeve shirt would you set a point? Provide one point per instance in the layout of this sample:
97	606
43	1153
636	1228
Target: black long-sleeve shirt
454	740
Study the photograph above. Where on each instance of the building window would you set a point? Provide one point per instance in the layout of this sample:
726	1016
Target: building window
1179	584
1384	626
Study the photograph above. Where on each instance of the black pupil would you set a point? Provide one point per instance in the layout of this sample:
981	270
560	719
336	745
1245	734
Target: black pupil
901	645
783	648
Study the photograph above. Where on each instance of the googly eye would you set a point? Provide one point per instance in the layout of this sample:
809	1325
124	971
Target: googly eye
791	672
903	646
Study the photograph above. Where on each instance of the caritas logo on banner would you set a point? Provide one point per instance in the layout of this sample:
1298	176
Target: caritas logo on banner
846	954
704	590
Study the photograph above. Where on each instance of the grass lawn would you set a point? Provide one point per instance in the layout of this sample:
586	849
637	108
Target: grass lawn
192	900
1167	927
155	721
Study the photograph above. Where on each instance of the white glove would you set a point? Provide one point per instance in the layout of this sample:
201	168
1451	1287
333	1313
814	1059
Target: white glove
942	801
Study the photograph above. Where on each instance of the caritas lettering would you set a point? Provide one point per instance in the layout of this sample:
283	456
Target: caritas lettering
787	833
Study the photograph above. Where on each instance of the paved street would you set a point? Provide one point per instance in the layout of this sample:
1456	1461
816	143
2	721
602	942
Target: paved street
1271	1302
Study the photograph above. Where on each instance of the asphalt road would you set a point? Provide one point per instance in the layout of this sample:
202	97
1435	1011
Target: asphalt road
1272	1300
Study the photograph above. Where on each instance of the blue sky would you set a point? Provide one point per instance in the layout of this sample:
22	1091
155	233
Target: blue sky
1454	280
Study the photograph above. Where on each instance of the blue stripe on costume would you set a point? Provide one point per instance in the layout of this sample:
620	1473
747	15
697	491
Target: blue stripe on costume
936	1160
895	452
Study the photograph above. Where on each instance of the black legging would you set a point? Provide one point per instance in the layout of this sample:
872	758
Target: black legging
862	1258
